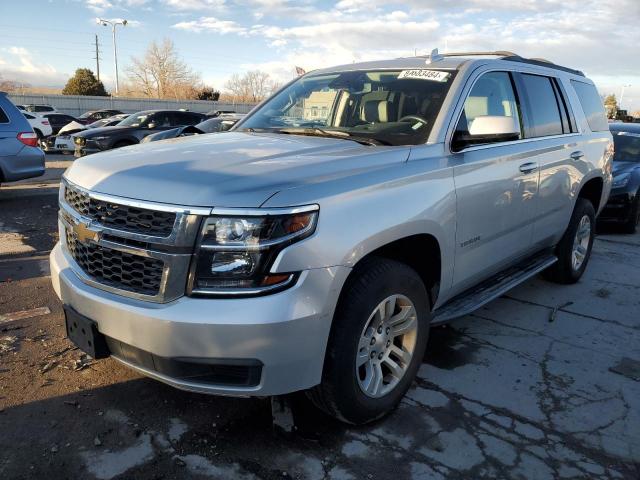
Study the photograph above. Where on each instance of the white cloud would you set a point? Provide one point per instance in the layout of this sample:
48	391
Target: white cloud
195	5
20	65
212	25
101	6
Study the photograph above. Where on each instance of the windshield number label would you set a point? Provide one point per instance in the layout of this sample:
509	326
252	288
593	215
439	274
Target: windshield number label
425	74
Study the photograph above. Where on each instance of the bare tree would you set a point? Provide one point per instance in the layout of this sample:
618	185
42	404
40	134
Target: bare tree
160	73
252	87
10	85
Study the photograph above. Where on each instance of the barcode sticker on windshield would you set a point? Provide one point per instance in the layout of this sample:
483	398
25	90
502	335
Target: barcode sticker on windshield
425	74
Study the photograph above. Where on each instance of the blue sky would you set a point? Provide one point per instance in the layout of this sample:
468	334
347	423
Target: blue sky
42	42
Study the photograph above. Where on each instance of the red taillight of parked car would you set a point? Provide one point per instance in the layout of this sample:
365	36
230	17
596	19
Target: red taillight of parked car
45	122
28	138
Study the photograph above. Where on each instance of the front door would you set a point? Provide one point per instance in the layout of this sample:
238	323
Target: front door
495	187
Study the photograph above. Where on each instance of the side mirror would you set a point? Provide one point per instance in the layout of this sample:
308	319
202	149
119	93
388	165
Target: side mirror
226	125
151	126
487	129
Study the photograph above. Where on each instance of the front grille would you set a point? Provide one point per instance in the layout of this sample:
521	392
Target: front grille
117	269
121	217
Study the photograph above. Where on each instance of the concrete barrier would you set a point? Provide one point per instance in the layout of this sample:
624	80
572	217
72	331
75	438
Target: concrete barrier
78	104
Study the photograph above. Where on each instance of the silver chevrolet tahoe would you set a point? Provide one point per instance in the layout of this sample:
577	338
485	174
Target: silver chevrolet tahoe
313	246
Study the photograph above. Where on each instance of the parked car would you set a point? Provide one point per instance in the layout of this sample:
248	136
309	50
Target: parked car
217	113
132	130
40	108
58	120
314	245
623	206
22	108
94	115
40	125
20	156
212	125
64	140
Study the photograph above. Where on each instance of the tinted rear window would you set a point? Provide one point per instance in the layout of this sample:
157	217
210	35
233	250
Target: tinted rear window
544	115
3	117
592	106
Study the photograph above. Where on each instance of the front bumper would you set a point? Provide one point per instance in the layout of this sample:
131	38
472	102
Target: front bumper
82	151
619	207
286	332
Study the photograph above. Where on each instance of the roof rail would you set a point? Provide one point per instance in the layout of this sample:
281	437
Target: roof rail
510	56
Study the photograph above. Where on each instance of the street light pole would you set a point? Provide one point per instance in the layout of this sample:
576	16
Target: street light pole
114	24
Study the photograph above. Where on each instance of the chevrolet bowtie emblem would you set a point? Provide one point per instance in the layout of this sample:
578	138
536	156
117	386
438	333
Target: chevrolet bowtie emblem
83	233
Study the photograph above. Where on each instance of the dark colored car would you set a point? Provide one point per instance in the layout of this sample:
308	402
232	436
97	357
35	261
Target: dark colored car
217	113
58	120
94	115
624	201
132	130
212	125
19	155
63	141
39	108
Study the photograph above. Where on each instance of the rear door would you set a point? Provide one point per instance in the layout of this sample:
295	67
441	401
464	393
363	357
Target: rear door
495	187
179	119
550	127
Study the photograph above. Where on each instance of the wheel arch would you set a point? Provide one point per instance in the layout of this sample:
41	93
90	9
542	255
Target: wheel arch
592	190
420	251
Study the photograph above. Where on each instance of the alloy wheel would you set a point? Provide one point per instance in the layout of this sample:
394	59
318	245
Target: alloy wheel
581	243
386	346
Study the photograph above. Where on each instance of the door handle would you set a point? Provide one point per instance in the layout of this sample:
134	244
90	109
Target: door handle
576	155
528	167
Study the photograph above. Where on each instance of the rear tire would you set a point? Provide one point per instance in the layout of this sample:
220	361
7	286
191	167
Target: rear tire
574	249
632	224
369	347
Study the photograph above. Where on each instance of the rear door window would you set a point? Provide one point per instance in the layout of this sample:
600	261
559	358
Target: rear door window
185	118
3	116
542	107
591	105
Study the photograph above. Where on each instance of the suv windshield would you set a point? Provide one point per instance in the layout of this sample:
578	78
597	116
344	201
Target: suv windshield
387	107
626	147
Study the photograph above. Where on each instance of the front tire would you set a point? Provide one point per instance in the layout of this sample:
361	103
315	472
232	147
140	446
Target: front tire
378	338
574	249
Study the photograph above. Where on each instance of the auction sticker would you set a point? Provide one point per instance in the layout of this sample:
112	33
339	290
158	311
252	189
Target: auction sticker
425	74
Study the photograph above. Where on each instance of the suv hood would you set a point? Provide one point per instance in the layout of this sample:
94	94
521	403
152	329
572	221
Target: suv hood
232	169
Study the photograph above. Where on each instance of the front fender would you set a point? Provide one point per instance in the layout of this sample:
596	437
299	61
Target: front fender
356	222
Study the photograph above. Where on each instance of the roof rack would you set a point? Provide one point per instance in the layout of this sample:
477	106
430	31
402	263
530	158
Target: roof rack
504	55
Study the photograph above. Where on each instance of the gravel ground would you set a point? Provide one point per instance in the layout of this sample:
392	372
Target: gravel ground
543	383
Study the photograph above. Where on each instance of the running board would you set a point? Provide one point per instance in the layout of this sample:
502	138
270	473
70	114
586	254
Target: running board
491	289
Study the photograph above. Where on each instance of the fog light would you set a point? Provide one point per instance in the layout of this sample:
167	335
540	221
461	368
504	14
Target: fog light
235	263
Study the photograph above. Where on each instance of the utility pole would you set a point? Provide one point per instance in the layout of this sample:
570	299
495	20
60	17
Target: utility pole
97	58
114	24
622	95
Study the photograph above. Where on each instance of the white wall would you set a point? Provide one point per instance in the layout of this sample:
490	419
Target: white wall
77	104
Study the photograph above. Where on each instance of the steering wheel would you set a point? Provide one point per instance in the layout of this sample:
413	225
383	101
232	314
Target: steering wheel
417	118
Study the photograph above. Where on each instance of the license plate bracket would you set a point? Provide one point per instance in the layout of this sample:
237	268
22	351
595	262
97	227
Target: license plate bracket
83	332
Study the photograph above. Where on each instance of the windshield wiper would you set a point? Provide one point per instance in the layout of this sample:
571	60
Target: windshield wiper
319	132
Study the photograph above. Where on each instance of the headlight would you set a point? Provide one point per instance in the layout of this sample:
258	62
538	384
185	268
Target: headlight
621	180
237	248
